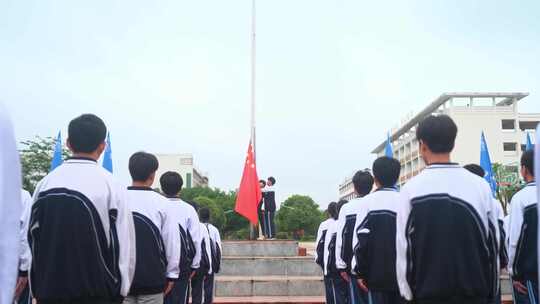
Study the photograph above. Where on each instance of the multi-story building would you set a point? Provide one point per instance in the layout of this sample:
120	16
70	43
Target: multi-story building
495	114
183	164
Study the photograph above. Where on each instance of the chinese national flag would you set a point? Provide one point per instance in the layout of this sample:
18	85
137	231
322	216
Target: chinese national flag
249	193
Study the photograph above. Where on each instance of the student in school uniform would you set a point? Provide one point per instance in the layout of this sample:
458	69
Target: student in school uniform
321	245
523	234
503	254
446	227
363	183
205	269
189	231
22	292
10	191
260	211
203	285
339	286
157	236
374	241
269	195
81	230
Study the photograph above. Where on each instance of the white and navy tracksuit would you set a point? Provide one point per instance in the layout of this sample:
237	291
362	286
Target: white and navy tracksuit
157	240
203	283
269	198
339	287
344	246
25	254
374	245
319	257
447	235
81	235
10	207
188	228
523	239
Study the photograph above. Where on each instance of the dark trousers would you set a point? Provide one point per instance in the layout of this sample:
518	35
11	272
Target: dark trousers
179	293
377	297
532	294
24	298
202	289
79	301
357	295
261	223
270	227
328	290
453	301
340	290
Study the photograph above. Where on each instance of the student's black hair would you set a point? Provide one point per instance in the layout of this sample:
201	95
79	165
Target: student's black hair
475	169
204	215
272	179
333	211
363	182
438	133
340	204
142	165
262	181
86	133
386	171
527	161
171	183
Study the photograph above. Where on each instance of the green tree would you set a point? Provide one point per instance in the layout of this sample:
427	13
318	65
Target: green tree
217	216
299	213
36	155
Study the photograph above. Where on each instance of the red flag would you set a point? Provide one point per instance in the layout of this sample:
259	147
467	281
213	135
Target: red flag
249	193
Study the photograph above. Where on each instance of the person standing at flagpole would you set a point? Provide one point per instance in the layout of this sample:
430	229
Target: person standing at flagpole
260	210
269	198
10	208
523	238
81	229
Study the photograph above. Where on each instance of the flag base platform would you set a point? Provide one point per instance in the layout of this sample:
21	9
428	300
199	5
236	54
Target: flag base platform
274	272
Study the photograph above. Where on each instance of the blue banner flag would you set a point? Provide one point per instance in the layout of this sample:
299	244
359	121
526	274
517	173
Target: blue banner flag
107	157
529	145
485	163
57	156
388	148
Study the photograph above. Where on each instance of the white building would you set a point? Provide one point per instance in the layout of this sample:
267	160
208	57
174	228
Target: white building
183	164
495	114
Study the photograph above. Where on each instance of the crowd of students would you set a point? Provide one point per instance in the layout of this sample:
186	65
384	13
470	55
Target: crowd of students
441	238
86	239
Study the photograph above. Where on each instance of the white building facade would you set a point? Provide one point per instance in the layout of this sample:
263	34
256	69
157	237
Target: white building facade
182	164
495	114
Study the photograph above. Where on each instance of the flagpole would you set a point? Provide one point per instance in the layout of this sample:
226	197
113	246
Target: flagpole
253	74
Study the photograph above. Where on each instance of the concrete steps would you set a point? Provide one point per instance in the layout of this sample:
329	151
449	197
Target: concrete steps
270	266
262	286
267	300
274	248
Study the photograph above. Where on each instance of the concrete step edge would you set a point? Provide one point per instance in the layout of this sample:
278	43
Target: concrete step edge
273	299
267	278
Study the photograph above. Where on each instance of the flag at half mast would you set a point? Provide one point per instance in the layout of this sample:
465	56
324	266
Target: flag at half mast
249	194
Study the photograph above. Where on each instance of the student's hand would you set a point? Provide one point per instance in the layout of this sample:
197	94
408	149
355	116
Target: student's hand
21	285
520	287
362	284
345	276
193	273
168	287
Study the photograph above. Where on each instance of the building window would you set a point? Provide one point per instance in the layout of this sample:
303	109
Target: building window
188	180
510	147
528	125
508	124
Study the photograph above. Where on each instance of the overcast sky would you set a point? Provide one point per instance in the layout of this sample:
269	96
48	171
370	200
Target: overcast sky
333	76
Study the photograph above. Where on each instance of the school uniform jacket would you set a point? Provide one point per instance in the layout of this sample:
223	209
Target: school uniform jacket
81	234
503	251
345	232
329	254
320	242
447	235
269	195
157	241
374	241
186	222
206	251
522	251
215	247
24	249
